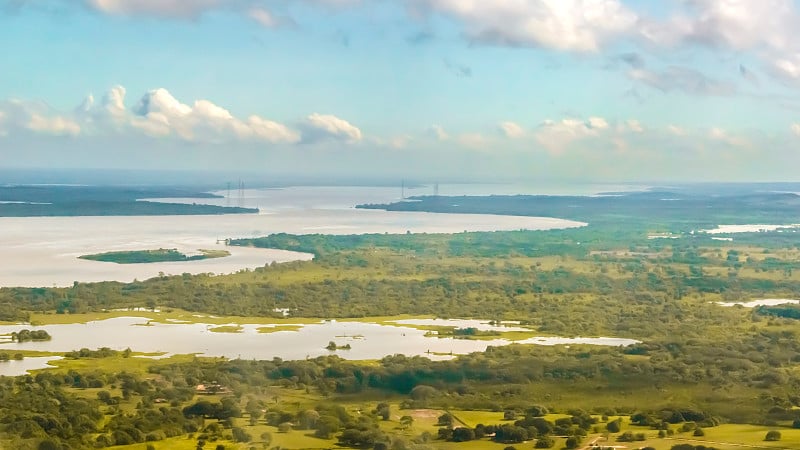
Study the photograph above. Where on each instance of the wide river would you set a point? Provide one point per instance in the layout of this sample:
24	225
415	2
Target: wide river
44	251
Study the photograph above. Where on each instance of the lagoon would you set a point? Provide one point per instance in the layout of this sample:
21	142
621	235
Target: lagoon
367	340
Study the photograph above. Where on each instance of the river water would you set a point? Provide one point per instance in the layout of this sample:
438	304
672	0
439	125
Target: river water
44	251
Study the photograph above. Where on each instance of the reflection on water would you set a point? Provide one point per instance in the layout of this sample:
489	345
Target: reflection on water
14	368
368	340
763	302
481	325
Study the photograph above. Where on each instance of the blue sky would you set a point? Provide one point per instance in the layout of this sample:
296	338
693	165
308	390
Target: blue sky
612	90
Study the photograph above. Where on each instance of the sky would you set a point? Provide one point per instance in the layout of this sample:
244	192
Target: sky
524	90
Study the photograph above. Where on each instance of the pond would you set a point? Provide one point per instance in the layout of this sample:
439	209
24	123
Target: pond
367	340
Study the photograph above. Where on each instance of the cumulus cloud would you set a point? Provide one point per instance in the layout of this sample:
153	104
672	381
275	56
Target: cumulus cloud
35	117
438	132
56	125
633	125
676	130
567	25
718	134
556	136
157	114
326	126
511	130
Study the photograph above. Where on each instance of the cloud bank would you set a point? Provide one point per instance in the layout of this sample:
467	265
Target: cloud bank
158	114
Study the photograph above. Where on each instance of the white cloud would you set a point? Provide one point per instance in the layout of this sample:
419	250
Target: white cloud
567	25
263	17
157	114
634	126
598	123
162	114
328	126
53	125
556	136
272	131
676	130
795	129
718	134
159	8
511	130
438	132
766	27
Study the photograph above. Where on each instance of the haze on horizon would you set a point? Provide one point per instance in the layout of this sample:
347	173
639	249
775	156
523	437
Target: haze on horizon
596	90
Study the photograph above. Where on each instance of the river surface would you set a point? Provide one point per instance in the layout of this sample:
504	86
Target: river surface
367	340
44	251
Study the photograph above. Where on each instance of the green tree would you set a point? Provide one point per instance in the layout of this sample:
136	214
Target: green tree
773	435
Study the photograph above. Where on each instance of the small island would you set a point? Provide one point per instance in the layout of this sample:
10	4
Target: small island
154	256
333	347
30	335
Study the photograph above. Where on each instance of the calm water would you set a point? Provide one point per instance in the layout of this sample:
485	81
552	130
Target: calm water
43	251
763	302
368	340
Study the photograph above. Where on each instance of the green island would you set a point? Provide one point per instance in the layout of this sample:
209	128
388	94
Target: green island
704	375
154	256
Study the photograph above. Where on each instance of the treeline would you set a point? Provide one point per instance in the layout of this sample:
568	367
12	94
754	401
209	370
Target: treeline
680	210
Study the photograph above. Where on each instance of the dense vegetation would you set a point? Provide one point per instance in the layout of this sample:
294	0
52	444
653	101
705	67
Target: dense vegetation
151	256
680	208
699	365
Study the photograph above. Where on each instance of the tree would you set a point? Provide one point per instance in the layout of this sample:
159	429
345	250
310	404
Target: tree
537	411
544	442
699	432
423	392
614	426
445	420
406	422
240	435
383	411
572	442
463	434
773	435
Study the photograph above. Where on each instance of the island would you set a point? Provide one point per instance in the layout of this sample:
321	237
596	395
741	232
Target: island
153	256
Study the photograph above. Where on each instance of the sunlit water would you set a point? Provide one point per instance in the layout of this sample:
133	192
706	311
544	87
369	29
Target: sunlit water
367	340
762	302
753	228
44	251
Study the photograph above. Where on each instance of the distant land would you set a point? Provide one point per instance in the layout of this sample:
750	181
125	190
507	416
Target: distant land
703	206
67	200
